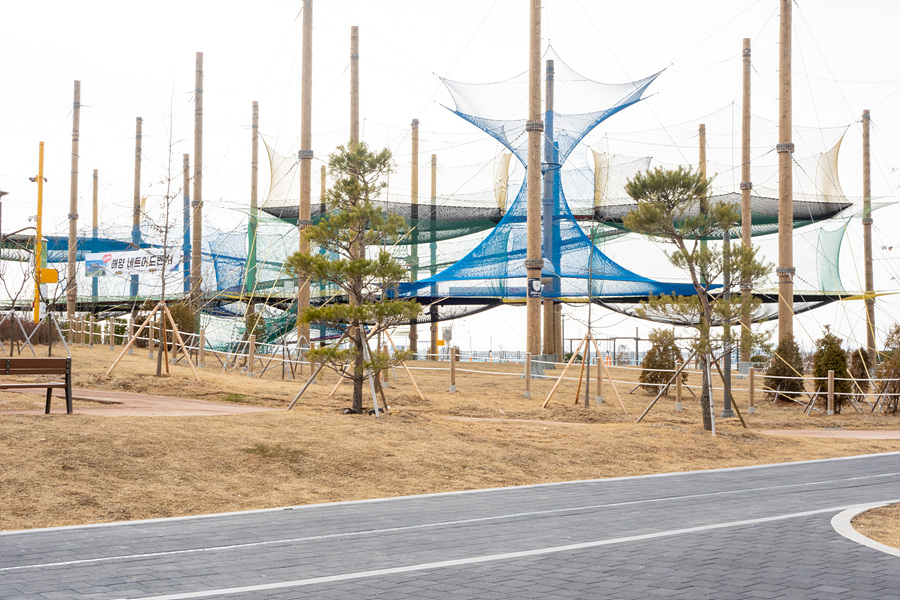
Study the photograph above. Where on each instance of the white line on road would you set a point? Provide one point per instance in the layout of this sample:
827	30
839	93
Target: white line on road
473	560
569	509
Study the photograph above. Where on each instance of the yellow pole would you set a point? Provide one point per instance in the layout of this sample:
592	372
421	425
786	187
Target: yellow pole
38	250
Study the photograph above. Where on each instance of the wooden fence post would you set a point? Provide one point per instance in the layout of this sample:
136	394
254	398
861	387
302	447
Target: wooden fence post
130	334
830	392
453	358
251	356
91	338
527	392
201	352
678	383
751	374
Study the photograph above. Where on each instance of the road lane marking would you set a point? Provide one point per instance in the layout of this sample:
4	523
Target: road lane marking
388	530
488	558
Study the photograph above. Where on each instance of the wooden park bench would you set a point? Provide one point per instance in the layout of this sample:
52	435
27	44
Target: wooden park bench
39	366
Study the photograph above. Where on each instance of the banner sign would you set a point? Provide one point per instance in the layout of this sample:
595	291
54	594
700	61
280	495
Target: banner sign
129	262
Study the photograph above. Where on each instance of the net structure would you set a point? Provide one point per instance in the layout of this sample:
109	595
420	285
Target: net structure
817	197
573	265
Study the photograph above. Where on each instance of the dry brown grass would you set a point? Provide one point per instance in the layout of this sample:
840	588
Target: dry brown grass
62	470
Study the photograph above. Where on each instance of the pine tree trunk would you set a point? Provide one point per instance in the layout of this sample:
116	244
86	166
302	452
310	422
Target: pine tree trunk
358	371
704	396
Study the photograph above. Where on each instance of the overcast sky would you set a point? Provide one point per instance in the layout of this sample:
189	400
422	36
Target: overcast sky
137	60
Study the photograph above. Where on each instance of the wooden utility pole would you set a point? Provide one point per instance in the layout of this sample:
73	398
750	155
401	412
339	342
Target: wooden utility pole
746	217
186	225
785	150
136	203
535	127
548	205
95	226
867	241
38	237
354	86
433	349
306	155
197	201
253	225
704	201
71	283
414	217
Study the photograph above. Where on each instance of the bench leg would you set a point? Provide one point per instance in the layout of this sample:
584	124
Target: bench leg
68	400
49	395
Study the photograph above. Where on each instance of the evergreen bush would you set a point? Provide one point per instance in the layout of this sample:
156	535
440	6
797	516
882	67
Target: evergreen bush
785	362
829	356
659	362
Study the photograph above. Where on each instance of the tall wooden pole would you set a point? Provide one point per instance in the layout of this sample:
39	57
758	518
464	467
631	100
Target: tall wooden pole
306	155
746	217
253	225
95	226
322	210
785	150
197	200
136	201
548	202
71	284
186	224
354	85
433	349
867	241
38	237
414	217
535	127
704	202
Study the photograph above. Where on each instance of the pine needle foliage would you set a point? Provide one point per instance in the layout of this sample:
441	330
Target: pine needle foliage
830	356
861	368
355	234
659	362
672	204
788	363
889	372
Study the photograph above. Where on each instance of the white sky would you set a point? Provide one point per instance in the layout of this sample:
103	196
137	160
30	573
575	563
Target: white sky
137	59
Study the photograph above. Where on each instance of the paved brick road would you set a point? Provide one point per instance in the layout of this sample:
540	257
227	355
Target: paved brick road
762	532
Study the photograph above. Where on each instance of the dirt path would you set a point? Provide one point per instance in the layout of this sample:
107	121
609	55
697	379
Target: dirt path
115	404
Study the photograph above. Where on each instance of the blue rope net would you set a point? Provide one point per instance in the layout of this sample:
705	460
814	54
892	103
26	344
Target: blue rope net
574	267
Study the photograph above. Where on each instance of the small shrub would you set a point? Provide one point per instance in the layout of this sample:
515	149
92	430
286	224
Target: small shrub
659	362
785	362
861	368
890	369
829	356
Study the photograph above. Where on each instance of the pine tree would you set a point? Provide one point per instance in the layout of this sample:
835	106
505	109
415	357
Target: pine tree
830	356
659	362
889	371
785	371
354	234
673	205
861	368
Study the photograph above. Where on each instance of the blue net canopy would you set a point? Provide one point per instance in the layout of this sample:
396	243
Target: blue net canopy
498	108
574	267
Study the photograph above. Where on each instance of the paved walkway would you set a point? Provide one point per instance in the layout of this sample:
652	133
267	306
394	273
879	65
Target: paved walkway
847	434
115	404
754	532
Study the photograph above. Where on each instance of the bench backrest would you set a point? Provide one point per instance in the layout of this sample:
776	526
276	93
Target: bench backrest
34	366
